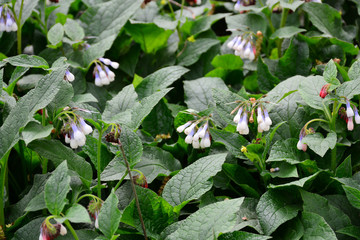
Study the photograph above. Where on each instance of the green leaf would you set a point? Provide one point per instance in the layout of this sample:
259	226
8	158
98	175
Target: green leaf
227	61
24	60
242	236
286	32
285	150
232	141
352	231
194	180
193	51
56	152
159	120
36	99
56	189
242	178
83	98
209	221
265	79
303	183
150	37
28	82
116	13
353	195
156	212
275	208
34	130
28	7
315	227
204	23
344	170
27	232
349	89
15	76
354	70
132	145
198	92
76	214
74	31
286	170
159	80
269	138
315	203
115	170
293	5
330	73
327	20
109	216
155	162
37	203
292	229
309	90
319	144
247	22
56	34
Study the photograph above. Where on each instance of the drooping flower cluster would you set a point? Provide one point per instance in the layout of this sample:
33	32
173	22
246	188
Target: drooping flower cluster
74	129
324	90
348	114
103	75
244	115
94	210
300	145
69	76
50	231
243	47
7	20
199	137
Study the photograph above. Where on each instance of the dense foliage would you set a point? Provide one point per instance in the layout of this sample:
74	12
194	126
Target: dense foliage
174	119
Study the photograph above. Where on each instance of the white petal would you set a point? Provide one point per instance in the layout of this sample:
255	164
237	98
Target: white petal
114	65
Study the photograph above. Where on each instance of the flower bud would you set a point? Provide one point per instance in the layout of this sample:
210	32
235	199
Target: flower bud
182	127
324	90
350	124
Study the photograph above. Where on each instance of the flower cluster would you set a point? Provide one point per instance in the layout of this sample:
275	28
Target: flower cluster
348	115
300	145
69	76
199	137
140	180
103	75
246	109
324	90
75	129
94	210
7	21
50	231
243	47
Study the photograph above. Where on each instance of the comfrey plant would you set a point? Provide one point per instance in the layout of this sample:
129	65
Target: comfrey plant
7	20
197	131
49	231
103	75
246	113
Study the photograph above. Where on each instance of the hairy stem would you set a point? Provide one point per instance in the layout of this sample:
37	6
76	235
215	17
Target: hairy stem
99	164
67	223
120	181
333	128
133	188
282	24
3	175
18	22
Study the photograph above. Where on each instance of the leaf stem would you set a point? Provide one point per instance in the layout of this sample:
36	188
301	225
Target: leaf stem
67	223
88	195
99	164
3	175
333	128
133	188
120	181
282	24
18	22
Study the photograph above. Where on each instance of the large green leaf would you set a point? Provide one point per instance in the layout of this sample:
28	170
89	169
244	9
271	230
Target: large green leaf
352	231
354	70
56	34
90	148
232	141
193	181
56	152
353	195
309	90
319	144
275	208
132	145
74	31
109	216
247	22
286	32
330	73
23	112
24	60
27	232
76	214
56	189
150	37
198	92
315	203
349	89
28	7
285	150
242	236
315	227
344	170
159	80
209	221
265	79
156	161
227	61
193	50
156	212
34	130
159	120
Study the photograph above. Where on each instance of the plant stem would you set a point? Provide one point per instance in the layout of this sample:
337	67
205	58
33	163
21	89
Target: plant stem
67	223
120	181
18	22
3	175
99	164
333	128
133	188
282	24
43	117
